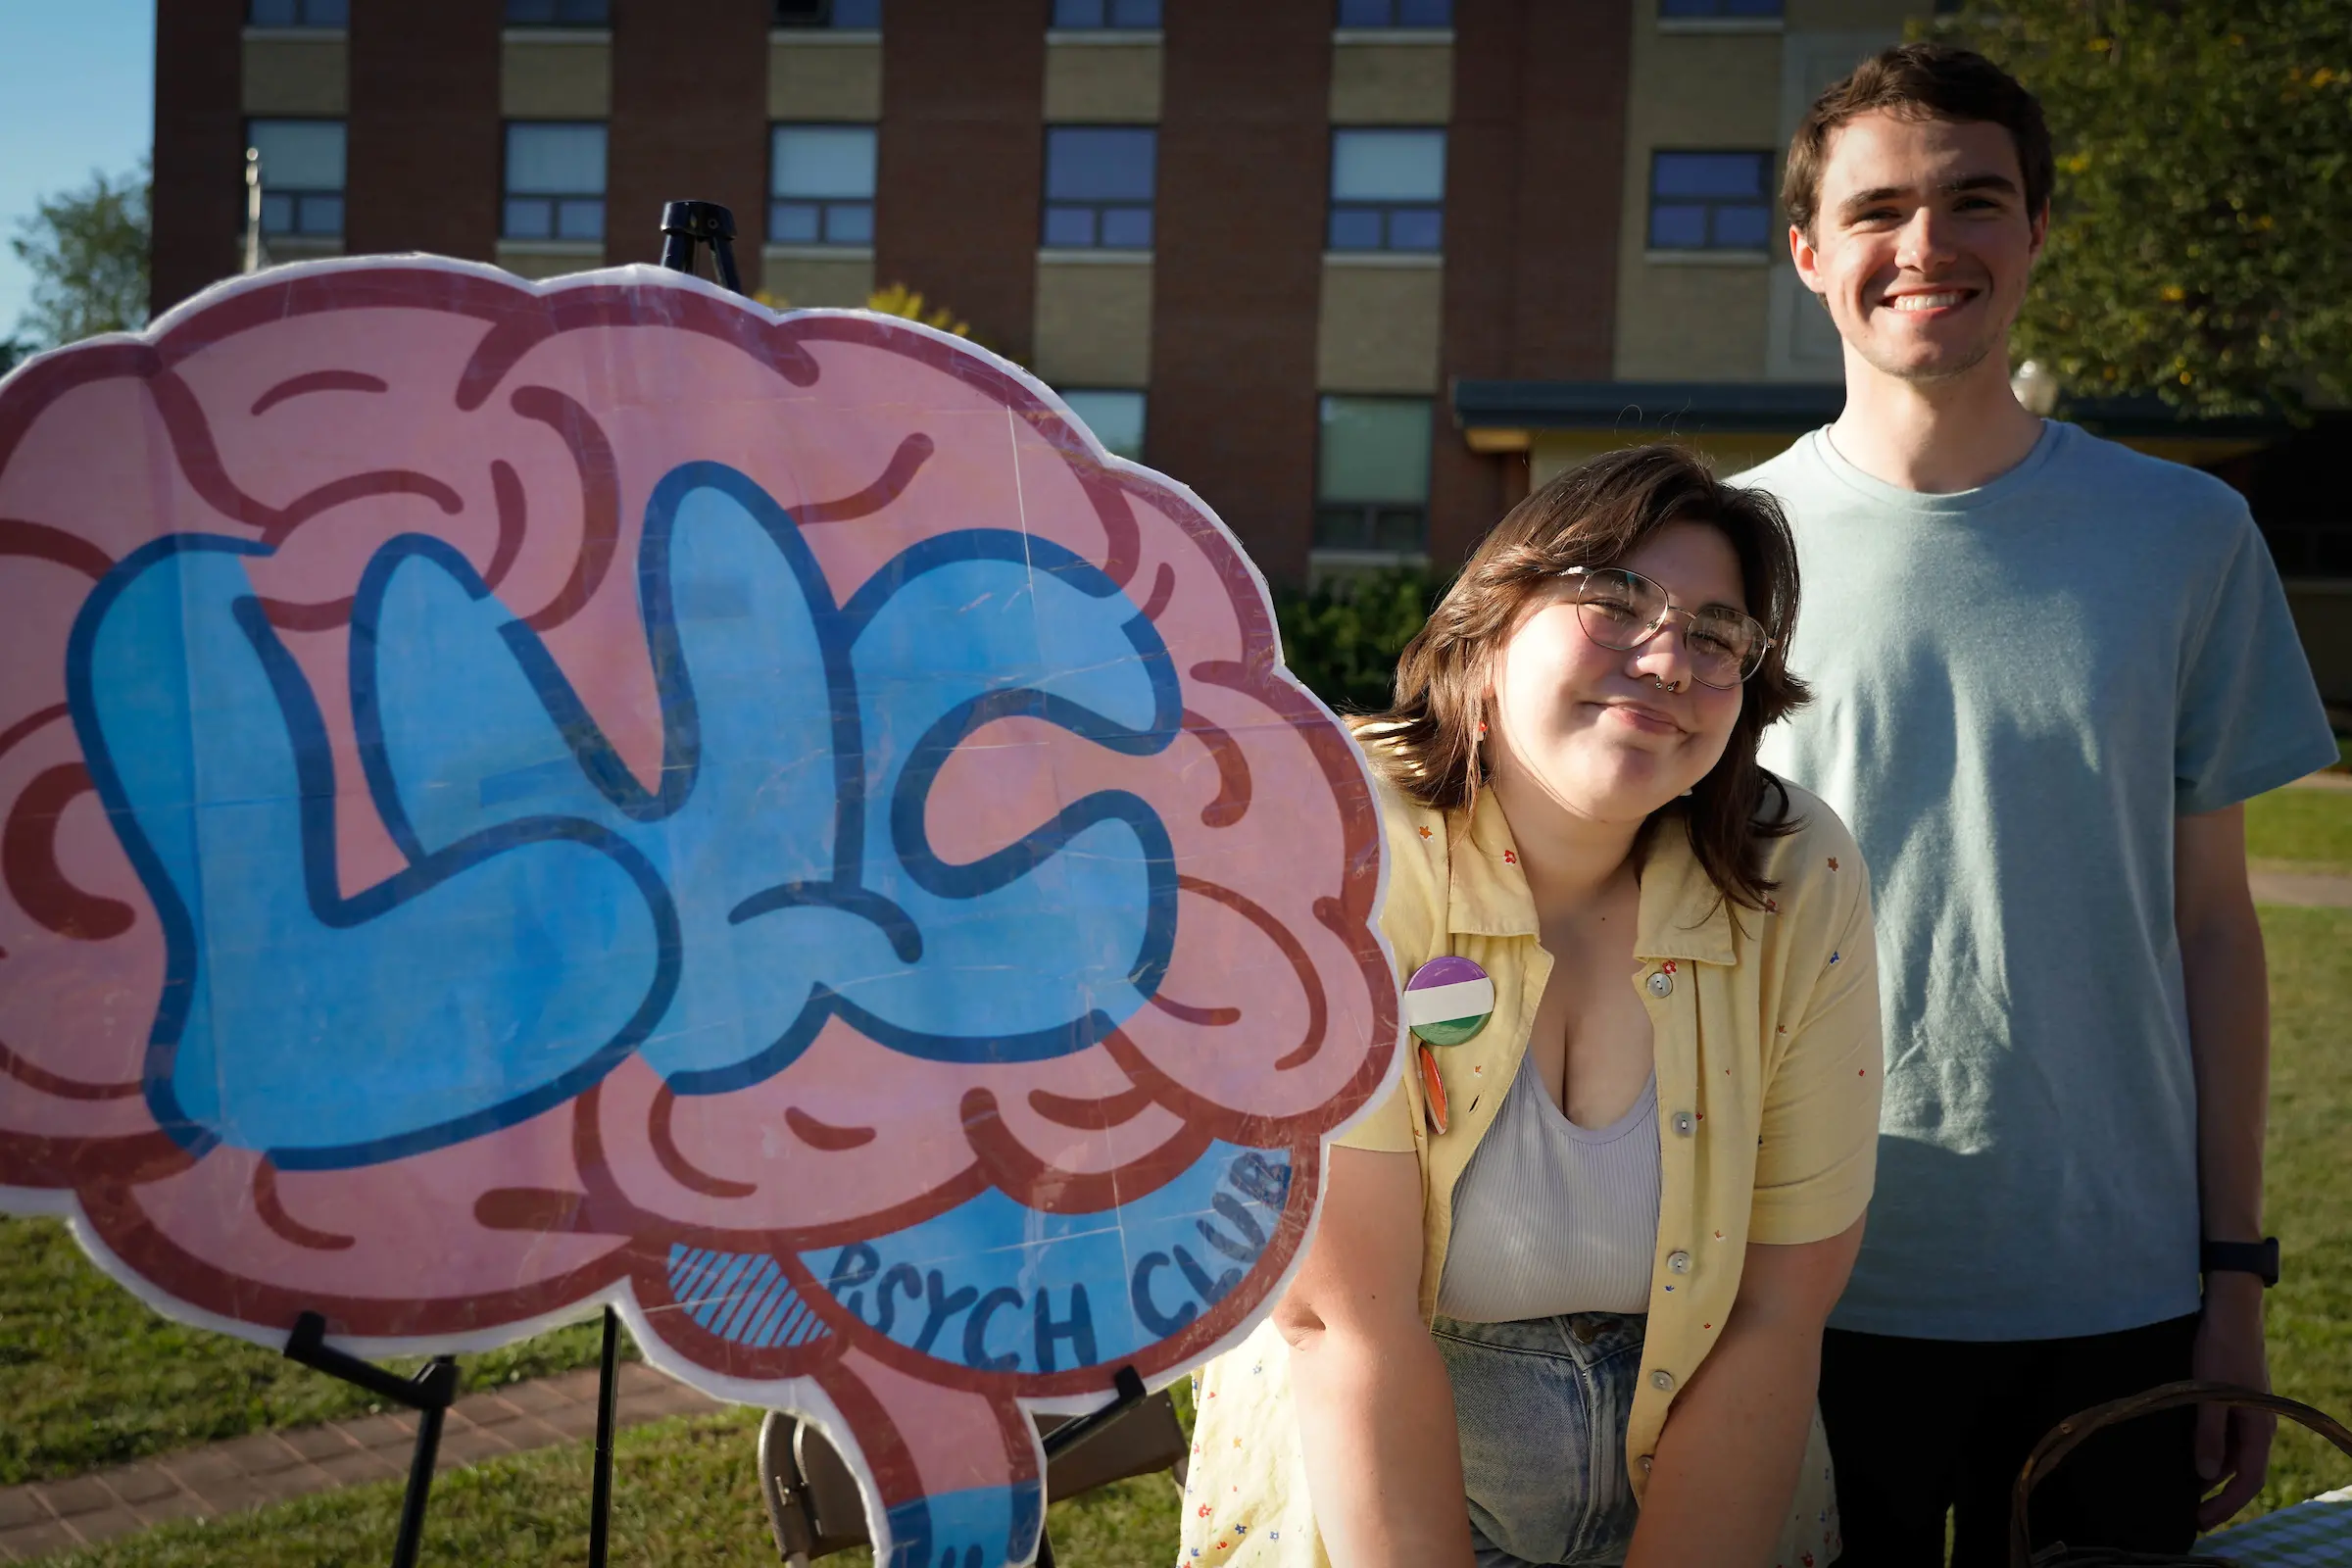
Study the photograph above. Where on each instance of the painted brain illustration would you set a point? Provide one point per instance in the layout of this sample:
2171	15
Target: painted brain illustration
516	797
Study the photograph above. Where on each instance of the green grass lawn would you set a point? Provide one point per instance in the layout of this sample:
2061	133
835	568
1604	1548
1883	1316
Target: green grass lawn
2308	1198
91	1378
2301	824
684	1492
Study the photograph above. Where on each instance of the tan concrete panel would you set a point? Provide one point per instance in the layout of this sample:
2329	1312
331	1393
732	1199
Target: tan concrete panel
1704	89
1391	82
546	261
1093	323
811	77
1678	323
286	75
801	281
1700	90
550	80
1103	84
1378	327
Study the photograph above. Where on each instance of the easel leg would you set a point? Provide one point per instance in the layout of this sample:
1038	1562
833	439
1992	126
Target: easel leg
429	1393
608	1399
411	1538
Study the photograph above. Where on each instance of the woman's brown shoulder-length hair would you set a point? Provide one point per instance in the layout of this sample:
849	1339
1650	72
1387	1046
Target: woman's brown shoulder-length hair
1426	745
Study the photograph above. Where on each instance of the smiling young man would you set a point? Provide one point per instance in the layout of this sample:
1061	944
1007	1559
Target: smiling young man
2047	672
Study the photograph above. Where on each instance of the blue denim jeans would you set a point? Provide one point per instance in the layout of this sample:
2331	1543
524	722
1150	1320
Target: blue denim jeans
1541	1407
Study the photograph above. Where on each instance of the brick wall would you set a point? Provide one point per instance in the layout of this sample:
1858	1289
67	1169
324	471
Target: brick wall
199	213
963	160
1244	147
423	141
1532	163
689	122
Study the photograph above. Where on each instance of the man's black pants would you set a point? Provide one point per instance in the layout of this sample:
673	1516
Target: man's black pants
1918	1427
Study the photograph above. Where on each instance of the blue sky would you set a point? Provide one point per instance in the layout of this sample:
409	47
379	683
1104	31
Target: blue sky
76	93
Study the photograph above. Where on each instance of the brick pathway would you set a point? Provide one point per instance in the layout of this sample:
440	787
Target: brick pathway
249	1472
2279	882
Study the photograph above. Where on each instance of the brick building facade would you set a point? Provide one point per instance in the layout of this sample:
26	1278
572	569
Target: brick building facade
1297	252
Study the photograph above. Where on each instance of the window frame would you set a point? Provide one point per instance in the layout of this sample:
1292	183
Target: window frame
1383	213
555	200
299	196
1711	206
1142	429
301	24
826	205
1369	517
1720	12
1054	21
603	23
1341	24
1097	207
827	21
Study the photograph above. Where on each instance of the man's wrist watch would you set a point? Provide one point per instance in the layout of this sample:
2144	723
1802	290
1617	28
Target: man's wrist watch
2258	1258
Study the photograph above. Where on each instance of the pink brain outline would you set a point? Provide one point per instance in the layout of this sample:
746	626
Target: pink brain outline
327	410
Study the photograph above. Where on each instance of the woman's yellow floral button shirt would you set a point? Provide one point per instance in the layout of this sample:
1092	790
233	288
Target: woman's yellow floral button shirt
1766	1025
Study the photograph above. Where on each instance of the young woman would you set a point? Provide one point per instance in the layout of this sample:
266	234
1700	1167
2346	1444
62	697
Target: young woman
1569	1309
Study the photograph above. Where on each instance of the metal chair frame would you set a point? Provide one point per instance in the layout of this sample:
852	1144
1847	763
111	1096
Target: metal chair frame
814	1507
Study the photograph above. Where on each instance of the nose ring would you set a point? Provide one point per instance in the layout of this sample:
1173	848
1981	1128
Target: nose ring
1665	685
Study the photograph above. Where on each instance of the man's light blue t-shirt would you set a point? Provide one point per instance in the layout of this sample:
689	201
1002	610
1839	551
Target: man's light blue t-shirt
2015	690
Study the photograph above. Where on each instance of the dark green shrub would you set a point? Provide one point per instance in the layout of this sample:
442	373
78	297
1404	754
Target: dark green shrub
1341	638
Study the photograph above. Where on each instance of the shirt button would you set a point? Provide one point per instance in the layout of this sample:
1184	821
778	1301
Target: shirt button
1683	1122
1662	1381
1677	1262
1661	984
1644	1463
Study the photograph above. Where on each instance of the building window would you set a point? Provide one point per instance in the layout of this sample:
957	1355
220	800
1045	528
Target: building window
559	13
1372	476
1116	418
299	13
1140	15
1387	190
1709	201
847	16
821	185
1396	13
1718	9
301	177
555	181
1099	182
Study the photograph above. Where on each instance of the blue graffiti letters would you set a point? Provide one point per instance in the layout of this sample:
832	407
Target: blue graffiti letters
779	871
1078	1328
976	1332
1009	1259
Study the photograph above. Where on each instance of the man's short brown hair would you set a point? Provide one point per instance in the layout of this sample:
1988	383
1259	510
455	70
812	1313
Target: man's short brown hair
1920	82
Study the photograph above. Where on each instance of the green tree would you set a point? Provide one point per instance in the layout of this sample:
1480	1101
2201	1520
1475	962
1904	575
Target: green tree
2201	242
1342	637
87	250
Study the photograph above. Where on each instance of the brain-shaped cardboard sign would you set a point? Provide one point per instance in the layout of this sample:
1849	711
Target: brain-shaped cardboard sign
515	797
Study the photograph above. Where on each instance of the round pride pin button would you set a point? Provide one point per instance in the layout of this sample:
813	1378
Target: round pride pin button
1447	1001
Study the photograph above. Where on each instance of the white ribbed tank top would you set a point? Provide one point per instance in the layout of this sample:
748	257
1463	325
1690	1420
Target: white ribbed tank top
1550	1217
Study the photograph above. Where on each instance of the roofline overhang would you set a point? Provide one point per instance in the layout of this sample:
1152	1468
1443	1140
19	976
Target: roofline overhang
1495	415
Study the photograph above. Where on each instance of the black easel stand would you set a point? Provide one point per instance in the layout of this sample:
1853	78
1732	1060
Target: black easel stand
684	225
608	1399
428	1392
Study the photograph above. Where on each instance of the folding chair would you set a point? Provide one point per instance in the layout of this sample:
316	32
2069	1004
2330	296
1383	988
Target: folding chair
814	1508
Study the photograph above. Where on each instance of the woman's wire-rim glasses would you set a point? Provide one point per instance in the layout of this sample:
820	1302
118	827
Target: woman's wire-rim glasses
1724	643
